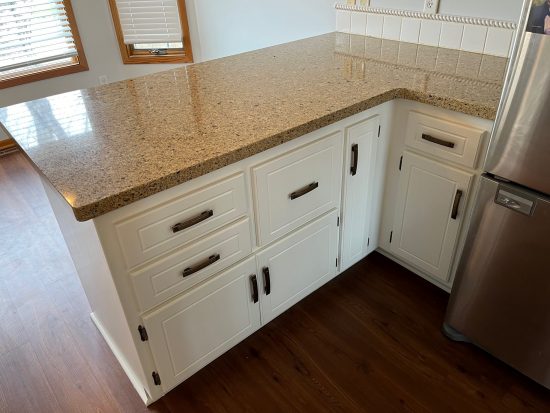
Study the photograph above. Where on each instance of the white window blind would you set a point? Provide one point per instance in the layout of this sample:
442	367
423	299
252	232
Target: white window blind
149	21
33	33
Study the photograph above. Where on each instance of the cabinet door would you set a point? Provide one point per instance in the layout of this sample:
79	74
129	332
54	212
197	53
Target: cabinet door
358	202
297	265
194	329
430	209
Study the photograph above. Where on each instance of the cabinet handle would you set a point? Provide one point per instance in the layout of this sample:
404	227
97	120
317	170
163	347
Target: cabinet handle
303	191
456	203
209	261
267	281
180	226
355	158
254	283
437	141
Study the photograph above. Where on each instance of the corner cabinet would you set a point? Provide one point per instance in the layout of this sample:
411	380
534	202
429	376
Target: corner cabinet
428	214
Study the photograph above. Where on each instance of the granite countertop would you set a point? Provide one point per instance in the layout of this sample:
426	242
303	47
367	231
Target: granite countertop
106	147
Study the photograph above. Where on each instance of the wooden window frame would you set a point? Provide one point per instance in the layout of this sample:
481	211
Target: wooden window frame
79	62
132	56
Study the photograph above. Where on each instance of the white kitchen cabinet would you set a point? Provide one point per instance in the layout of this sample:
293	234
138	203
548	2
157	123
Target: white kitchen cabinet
359	190
297	265
429	211
194	329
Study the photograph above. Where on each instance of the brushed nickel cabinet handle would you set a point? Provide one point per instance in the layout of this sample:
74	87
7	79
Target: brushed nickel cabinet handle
456	204
306	190
355	159
254	283
180	226
209	261
437	141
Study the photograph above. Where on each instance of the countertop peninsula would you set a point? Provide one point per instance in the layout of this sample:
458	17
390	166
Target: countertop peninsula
105	147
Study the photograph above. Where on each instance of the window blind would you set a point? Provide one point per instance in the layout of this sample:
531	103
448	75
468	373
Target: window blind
149	21
33	33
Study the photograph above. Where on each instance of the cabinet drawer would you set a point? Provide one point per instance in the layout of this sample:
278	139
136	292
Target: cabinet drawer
297	187
199	326
181	220
297	265
452	141
191	264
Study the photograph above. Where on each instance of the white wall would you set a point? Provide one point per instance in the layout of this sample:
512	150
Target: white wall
493	9
222	28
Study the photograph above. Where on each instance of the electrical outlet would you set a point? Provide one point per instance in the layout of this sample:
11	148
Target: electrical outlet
103	80
431	6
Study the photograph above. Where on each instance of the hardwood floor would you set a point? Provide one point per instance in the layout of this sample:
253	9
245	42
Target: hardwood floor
368	341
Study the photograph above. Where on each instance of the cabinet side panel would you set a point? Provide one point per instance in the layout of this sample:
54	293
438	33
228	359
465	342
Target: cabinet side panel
95	276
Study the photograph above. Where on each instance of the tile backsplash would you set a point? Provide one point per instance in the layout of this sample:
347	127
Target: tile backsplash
468	34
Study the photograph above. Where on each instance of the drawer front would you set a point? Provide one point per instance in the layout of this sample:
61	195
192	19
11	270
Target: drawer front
297	187
194	329
448	140
191	264
182	220
297	265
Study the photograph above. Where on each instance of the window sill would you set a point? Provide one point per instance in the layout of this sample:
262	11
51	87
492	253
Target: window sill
155	59
43	74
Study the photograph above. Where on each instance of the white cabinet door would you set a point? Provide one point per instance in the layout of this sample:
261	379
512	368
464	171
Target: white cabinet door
430	209
295	266
358	202
202	324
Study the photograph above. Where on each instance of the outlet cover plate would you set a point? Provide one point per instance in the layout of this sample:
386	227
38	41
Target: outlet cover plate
431	6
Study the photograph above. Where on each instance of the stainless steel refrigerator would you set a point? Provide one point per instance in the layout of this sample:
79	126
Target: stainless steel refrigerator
501	297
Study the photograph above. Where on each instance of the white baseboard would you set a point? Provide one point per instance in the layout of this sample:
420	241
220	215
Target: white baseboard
134	378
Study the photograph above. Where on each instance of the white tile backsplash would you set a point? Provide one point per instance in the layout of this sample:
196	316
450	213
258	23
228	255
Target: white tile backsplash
358	23
391	27
430	31
468	37
451	35
473	39
375	23
343	21
410	30
498	41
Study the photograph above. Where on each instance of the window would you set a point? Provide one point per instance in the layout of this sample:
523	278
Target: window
39	40
152	31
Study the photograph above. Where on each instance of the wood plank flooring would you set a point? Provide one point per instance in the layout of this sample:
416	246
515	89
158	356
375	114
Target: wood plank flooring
368	341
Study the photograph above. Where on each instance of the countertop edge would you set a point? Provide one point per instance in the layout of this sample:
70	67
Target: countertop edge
106	205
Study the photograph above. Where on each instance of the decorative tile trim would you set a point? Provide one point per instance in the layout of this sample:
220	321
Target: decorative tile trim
427	16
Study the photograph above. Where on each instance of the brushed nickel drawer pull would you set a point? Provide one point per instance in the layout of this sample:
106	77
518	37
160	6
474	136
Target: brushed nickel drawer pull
209	261
456	204
193	221
437	141
303	191
355	159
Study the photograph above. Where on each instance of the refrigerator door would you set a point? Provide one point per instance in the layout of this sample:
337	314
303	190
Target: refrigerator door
520	147
501	297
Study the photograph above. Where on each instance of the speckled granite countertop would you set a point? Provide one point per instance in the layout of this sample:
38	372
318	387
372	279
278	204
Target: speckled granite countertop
106	147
